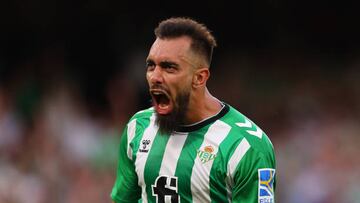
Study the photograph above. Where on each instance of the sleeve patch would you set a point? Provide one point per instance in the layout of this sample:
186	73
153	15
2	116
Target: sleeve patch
266	185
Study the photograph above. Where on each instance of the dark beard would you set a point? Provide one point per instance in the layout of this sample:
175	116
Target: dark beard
169	123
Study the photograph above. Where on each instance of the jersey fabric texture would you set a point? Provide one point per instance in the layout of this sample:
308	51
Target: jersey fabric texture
225	158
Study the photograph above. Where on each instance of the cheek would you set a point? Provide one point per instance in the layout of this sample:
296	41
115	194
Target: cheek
187	83
184	86
178	85
148	77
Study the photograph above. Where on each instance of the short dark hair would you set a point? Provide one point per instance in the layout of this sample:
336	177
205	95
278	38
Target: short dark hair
203	42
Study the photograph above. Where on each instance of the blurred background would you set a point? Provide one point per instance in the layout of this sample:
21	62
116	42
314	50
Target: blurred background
73	72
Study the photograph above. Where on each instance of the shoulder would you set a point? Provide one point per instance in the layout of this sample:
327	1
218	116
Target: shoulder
135	128
143	114
140	120
243	127
142	117
248	143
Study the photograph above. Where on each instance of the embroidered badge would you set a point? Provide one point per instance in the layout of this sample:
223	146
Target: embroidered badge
206	154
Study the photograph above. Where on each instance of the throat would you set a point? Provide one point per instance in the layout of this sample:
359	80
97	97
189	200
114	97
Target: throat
197	114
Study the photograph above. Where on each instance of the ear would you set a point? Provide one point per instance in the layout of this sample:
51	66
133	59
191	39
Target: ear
200	77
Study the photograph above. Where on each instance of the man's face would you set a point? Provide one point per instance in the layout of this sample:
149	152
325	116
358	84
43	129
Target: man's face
170	68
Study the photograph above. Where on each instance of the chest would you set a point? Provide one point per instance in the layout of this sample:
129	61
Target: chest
187	164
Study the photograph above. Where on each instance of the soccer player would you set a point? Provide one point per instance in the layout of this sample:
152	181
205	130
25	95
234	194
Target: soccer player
190	146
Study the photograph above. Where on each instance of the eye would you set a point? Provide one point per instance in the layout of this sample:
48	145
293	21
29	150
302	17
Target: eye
170	68
150	65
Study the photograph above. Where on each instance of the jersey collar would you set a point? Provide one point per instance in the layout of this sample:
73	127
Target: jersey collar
205	122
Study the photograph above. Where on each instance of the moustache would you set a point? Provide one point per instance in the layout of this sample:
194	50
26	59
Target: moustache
158	87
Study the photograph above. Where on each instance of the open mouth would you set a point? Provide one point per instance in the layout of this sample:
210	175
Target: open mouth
161	101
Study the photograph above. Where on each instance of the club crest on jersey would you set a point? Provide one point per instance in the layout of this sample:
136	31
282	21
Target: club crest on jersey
206	154
144	146
266	185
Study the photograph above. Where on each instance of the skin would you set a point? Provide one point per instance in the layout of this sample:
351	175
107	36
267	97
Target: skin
172	64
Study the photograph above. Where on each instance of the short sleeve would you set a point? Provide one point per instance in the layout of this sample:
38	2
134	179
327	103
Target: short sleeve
126	189
254	179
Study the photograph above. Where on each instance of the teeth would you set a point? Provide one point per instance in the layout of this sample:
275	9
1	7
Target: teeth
163	106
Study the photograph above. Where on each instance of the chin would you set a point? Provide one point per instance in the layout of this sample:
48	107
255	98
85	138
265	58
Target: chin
170	115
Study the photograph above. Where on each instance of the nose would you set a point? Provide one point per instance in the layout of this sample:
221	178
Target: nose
155	75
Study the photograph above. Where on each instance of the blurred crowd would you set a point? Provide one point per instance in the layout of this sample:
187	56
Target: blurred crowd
55	144
311	111
58	146
60	152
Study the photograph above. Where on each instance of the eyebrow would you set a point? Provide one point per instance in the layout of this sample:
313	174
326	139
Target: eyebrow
164	63
168	63
150	61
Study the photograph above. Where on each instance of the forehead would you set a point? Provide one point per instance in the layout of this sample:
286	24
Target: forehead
170	49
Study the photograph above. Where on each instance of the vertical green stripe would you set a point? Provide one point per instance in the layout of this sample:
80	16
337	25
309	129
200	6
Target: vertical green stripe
186	162
122	152
153	163
218	173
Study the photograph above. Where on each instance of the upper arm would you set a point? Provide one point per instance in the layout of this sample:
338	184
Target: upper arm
254	179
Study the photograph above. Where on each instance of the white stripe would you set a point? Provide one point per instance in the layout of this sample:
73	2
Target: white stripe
130	134
238	154
143	196
141	157
246	124
229	193
200	176
172	153
167	199
258	133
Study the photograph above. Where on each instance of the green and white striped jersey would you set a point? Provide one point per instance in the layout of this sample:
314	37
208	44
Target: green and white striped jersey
225	158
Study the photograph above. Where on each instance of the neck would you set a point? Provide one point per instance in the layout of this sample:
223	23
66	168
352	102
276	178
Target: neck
202	105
